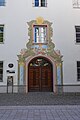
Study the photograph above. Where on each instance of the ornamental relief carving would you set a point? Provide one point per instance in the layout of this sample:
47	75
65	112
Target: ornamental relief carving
37	48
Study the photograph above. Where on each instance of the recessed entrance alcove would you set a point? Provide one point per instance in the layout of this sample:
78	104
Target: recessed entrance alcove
40	75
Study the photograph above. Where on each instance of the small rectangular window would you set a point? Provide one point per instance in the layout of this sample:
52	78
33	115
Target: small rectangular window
40	3
76	3
1	33
78	70
1	71
77	28
40	34
36	3
2	2
43	4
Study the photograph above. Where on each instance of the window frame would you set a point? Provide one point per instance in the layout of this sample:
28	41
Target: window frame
39	3
45	34
2	3
2	25
77	33
1	80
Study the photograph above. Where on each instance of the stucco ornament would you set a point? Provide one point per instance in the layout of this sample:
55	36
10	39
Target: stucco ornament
32	50
23	51
43	48
39	20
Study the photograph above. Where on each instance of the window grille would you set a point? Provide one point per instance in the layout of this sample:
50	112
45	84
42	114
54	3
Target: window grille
77	28
40	3
2	2
1	71
1	33
40	34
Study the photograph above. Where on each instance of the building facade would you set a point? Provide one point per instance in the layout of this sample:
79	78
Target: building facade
39	45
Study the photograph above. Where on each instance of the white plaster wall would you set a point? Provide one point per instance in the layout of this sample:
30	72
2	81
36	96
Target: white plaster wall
15	16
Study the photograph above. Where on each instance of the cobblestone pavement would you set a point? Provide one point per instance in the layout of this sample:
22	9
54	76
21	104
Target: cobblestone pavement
39	106
57	112
39	99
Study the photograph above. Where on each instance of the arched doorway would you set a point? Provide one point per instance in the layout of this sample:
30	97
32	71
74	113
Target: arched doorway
40	75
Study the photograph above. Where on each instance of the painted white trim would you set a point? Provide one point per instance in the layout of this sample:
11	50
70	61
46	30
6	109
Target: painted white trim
39	3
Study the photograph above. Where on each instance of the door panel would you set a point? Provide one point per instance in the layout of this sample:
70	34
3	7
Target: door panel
40	78
34	76
46	80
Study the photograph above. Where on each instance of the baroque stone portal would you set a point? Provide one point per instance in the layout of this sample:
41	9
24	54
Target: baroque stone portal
40	44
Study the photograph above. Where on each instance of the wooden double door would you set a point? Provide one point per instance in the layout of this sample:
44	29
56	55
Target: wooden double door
40	75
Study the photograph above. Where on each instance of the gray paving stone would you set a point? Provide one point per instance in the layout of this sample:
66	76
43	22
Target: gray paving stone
44	119
57	119
40	113
38	118
49	117
29	119
34	107
42	98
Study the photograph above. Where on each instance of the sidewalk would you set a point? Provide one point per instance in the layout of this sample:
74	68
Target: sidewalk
40	112
38	99
39	106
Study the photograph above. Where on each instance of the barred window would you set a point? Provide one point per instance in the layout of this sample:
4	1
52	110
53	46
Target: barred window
40	33
2	2
1	33
77	28
1	71
40	3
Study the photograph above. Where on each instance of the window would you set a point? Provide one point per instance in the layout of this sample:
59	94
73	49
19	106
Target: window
40	3
76	3
78	70
2	2
1	33
40	33
77	34
1	71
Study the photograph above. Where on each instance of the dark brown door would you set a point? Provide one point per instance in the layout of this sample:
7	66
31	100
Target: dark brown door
40	75
46	78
